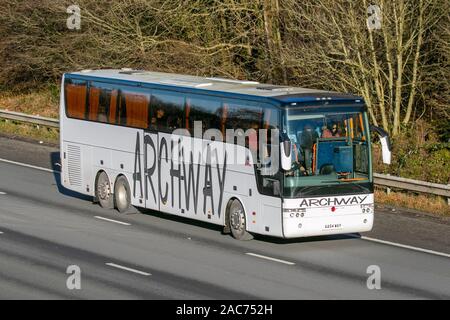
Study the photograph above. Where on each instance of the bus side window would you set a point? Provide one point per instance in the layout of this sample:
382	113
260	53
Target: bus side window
102	102
104	105
271	122
168	109
94	94
205	110
134	107
75	97
245	117
113	106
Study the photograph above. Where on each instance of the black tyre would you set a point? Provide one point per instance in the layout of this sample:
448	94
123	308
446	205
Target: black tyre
122	195
103	191
238	224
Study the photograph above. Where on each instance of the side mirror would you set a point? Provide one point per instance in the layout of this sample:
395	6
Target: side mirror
285	150
385	143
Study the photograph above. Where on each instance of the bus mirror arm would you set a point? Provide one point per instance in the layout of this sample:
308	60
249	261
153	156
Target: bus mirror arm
386	146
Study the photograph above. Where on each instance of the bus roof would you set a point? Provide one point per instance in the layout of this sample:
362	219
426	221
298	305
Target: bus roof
281	94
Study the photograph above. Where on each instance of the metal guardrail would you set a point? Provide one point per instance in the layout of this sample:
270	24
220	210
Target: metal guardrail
412	185
379	179
21	117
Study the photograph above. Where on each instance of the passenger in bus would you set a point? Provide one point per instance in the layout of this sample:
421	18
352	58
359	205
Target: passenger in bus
173	122
335	131
308	139
102	117
326	133
157	119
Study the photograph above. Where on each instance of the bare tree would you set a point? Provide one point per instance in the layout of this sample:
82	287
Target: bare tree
384	65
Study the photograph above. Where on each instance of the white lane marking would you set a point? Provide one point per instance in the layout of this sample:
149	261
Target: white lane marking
405	246
28	165
1	232
2	193
111	220
269	258
127	269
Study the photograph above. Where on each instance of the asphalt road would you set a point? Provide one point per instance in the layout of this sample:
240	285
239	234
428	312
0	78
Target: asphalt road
44	230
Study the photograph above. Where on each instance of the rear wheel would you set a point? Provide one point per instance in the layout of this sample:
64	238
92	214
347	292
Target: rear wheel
103	191
238	224
122	195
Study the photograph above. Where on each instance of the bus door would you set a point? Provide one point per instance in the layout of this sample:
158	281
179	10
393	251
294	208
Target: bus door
270	204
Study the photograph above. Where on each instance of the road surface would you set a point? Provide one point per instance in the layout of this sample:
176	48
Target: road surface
45	229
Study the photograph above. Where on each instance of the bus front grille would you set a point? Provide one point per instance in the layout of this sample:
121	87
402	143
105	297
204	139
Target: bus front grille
74	165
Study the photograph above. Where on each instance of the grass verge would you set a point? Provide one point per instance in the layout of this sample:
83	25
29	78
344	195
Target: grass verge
425	203
42	103
28	131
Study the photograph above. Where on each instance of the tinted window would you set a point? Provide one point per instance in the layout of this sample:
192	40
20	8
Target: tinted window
102	102
208	111
271	120
242	116
237	116
167	111
75	96
134	109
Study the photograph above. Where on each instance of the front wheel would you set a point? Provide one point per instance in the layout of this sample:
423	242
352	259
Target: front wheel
238	224
122	195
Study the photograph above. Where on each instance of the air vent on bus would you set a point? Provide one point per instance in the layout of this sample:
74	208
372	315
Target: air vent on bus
186	83
74	165
274	88
233	81
131	71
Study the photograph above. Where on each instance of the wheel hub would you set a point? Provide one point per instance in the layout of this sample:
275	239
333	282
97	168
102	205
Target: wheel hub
237	220
121	195
103	190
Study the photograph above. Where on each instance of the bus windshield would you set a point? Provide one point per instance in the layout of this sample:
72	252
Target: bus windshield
328	148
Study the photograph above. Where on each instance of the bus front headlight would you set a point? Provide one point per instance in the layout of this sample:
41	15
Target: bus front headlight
295	212
367	208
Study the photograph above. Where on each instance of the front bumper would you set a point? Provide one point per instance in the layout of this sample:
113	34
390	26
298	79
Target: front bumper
320	226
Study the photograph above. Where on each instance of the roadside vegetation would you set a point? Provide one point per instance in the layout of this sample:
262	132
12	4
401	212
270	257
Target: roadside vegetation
422	203
42	102
21	130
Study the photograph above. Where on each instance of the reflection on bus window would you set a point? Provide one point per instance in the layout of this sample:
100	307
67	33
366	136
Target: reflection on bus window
168	111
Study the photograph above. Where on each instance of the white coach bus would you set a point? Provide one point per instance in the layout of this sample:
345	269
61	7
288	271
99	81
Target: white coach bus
138	138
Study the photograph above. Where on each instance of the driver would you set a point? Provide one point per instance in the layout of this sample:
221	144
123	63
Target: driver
297	159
